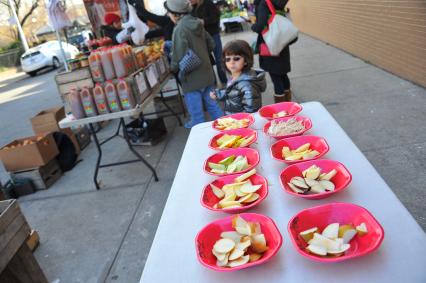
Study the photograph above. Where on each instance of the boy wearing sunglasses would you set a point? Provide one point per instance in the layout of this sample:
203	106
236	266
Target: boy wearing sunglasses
245	85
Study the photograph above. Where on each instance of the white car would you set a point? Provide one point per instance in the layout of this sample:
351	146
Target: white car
46	55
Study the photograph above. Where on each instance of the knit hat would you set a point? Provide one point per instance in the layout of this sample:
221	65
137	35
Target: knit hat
110	18
178	6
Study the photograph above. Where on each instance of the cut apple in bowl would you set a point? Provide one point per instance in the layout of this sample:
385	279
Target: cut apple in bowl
259	242
231	161
297	149
237	138
335	232
235	193
278	110
233	121
315	179
286	127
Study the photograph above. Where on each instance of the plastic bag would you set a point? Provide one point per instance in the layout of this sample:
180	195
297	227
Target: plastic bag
138	35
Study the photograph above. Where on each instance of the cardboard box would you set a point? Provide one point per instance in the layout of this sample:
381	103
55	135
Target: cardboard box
47	120
17	156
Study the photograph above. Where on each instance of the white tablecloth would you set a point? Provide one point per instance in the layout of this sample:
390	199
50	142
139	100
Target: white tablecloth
401	257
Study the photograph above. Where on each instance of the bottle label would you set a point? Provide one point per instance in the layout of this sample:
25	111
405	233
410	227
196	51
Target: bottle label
113	105
125	102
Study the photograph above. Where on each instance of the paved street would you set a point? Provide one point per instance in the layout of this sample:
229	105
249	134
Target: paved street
96	236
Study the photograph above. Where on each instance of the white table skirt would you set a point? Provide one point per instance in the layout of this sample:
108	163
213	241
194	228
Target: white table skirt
172	258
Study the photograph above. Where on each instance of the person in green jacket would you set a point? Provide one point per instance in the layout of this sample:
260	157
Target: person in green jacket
189	34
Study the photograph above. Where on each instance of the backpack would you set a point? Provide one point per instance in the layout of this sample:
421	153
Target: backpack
67	154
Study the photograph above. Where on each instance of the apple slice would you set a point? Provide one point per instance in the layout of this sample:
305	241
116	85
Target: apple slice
254	257
216	191
259	243
302	148
346	232
331	231
220	256
236	253
329	175
241	261
232	235
249	188
224	245
340	251
253	198
362	229
246	141
245	175
320	240
308	234
317	250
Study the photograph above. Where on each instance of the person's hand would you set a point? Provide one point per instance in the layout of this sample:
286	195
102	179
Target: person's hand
213	95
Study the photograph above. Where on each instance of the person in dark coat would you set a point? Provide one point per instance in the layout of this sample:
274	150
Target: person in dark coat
210	15
276	66
166	25
112	27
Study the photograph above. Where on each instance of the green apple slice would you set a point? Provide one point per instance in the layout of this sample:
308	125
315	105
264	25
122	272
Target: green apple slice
307	235
246	175
228	160
331	231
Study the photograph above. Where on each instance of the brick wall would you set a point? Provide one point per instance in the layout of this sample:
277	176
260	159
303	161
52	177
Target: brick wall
388	33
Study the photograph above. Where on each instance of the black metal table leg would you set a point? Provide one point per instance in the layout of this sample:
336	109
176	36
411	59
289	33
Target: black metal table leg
98	161
126	138
170	109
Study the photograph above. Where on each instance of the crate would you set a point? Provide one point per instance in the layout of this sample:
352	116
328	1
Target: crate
66	81
17	263
42	177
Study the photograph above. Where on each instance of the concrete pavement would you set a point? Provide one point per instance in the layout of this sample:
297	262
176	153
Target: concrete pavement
105	236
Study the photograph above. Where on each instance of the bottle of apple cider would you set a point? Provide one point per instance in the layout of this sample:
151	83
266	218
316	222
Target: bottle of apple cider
100	100
112	97
125	94
89	105
95	66
107	64
75	104
119	60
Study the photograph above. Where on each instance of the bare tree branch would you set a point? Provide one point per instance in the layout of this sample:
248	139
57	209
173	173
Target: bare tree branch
28	14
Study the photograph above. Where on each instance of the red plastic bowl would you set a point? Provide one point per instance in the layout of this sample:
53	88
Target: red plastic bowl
244	132
341	180
305	121
317	143
343	213
209	199
268	111
236	116
208	236
251	154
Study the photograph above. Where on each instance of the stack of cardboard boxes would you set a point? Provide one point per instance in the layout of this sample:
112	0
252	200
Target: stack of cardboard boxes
35	157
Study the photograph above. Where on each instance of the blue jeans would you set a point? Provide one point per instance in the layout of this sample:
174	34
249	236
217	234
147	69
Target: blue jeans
218	58
194	102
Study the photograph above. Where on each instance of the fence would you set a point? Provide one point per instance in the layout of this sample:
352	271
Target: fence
10	58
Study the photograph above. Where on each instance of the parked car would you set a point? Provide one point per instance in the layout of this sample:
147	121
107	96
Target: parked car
80	40
46	55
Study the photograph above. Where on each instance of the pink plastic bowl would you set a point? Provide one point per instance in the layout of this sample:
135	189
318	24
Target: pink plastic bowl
305	121
244	132
341	180
317	143
268	111
251	154
208	236
343	213
209	199
236	116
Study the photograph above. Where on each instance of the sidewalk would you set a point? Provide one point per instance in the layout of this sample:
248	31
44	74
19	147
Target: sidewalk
96	236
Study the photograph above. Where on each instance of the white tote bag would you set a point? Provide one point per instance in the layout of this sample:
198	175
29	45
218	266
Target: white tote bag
281	31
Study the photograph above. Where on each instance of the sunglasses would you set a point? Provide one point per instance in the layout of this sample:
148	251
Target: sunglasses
234	58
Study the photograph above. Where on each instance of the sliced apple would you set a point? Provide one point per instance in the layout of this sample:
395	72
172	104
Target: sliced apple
254	197
295	189
327	185
331	231
308	234
236	253
216	191
302	148
254	257
216	166
339	251
320	240
259	243
311	182
220	256
241	261
246	141
329	175
238	221
286	152
317	250
318	189
313	172
228	160
362	229
245	175
232	235
310	154
224	245
227	204
249	188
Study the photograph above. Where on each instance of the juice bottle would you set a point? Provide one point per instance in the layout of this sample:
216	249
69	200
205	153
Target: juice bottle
125	94
100	99
107	65
76	105
89	105
131	58
119	61
96	67
112	97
